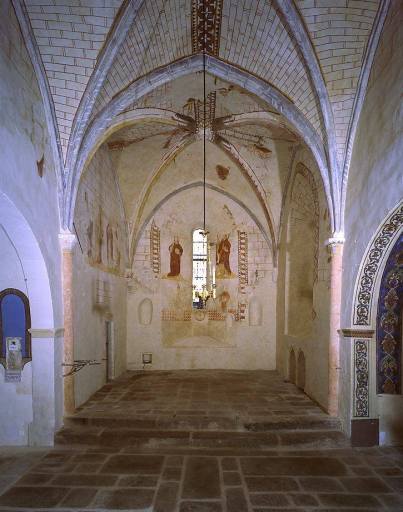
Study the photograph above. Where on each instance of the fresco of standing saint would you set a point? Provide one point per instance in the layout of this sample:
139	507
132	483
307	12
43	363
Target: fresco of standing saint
223	270
175	251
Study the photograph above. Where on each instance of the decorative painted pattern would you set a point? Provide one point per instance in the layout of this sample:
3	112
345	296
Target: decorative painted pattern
242	260
361	378
389	323
241	315
372	262
155	248
206	26
205	113
172	315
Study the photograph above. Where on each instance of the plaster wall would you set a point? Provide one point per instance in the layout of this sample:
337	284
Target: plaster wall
99	286
24	140
375	182
15	398
175	336
309	333
187	168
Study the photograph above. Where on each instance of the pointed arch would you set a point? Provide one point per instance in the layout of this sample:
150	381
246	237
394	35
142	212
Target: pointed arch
183	67
189	186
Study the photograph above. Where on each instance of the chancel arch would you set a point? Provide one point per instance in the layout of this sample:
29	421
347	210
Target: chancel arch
183	67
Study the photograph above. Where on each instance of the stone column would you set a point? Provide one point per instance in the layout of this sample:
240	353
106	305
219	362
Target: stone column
335	246
67	242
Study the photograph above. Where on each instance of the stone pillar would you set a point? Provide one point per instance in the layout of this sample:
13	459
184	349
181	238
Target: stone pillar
335	246
45	397
67	242
363	409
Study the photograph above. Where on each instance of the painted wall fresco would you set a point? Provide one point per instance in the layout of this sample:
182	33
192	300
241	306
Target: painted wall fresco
99	287
98	217
243	271
389	323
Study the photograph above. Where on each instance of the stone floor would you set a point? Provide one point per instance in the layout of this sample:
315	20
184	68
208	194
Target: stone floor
202	442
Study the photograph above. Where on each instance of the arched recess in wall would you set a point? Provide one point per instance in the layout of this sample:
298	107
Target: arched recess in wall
302	245
389	323
30	256
292	367
209	187
301	370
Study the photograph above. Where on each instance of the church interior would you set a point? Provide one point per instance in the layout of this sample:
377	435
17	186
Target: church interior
201	255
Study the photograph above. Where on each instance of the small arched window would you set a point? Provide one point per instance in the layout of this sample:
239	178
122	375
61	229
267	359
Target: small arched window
15	322
199	275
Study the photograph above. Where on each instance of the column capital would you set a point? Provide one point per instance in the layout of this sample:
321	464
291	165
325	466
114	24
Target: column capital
336	239
357	332
67	241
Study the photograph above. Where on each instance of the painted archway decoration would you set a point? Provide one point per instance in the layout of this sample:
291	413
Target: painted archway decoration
389	323
374	257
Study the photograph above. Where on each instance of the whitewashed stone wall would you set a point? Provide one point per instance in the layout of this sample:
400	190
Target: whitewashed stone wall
305	329
375	183
99	286
24	140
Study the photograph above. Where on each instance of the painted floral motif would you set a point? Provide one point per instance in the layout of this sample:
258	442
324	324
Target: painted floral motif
389	323
362	313
361	391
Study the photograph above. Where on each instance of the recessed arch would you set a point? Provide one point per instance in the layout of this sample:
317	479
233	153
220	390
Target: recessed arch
30	255
301	370
189	186
182	67
231	151
292	366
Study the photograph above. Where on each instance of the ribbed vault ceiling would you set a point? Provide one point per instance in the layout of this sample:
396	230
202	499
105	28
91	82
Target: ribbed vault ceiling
310	51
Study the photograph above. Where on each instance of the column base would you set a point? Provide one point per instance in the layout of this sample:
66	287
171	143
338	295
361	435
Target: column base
365	432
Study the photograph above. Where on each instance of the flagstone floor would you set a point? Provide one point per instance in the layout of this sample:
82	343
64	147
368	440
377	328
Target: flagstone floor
201	441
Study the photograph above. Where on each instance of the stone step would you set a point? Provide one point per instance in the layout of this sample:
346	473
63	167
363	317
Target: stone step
149	439
208	423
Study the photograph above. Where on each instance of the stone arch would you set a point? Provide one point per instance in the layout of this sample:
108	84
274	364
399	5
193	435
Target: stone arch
372	263
389	323
302	252
292	367
267	237
29	253
301	370
83	147
35	413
